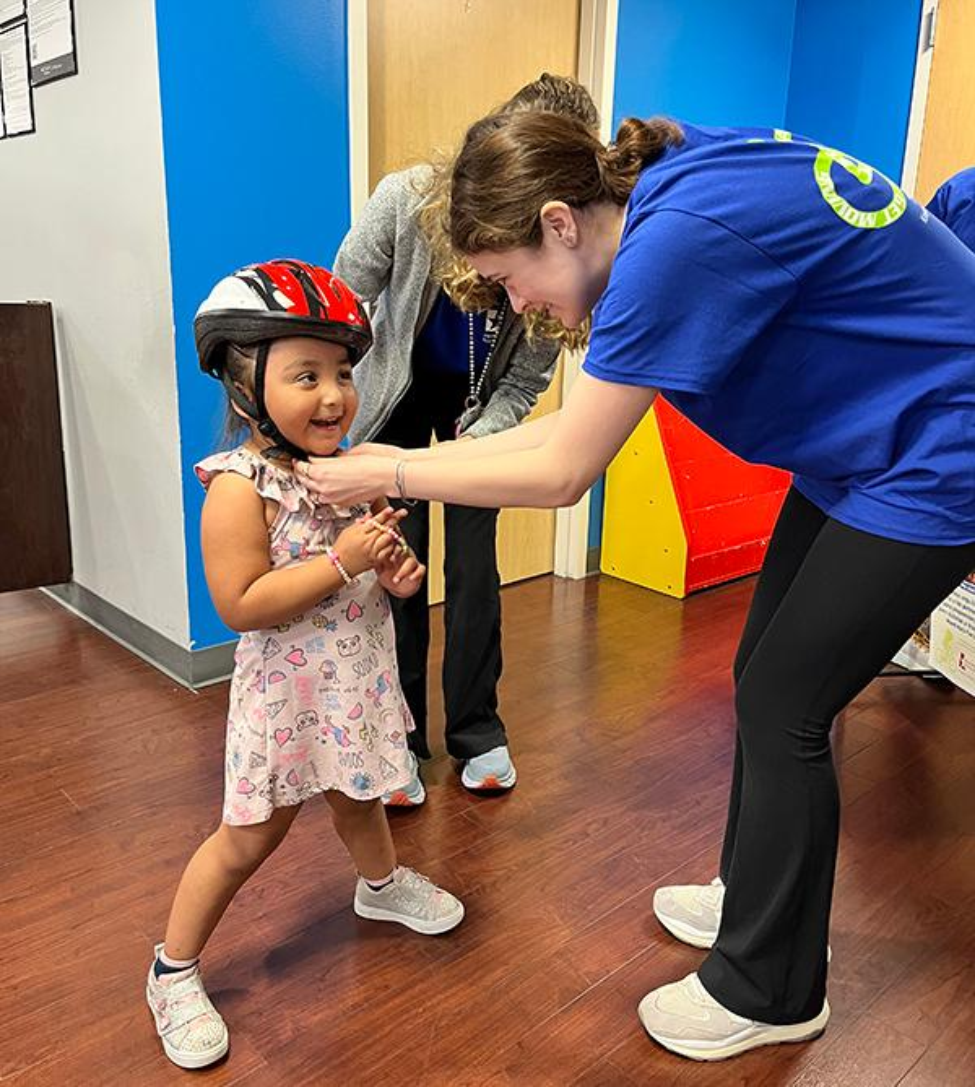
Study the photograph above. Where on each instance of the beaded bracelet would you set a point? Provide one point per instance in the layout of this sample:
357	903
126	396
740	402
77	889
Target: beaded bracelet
337	563
396	537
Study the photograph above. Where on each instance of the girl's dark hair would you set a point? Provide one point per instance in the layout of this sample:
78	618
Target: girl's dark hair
512	164
238	366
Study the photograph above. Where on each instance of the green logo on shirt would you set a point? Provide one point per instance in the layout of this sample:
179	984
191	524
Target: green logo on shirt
829	157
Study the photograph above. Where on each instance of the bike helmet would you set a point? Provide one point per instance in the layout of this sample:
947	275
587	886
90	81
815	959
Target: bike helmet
265	302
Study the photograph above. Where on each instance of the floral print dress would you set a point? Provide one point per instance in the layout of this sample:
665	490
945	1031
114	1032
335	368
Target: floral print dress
315	703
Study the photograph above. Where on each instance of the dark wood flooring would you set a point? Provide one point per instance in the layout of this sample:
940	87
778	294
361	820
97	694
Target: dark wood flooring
619	709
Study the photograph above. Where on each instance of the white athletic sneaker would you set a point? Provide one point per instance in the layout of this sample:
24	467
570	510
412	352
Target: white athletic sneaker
411	900
190	1028
684	1018
490	772
410	795
691	912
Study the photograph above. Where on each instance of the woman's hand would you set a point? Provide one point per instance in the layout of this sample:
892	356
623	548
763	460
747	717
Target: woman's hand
377	449
346	480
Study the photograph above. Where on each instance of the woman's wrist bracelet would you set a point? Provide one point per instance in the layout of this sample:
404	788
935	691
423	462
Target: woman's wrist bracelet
401	483
337	563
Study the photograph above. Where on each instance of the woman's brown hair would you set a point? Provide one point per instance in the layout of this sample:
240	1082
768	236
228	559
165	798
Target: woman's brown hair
549	93
510	165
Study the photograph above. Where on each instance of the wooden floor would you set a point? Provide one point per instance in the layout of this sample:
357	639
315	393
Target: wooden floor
619	710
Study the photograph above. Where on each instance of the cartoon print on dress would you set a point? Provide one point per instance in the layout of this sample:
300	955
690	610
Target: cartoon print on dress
282	736
368	734
355	713
271	648
375	637
354	611
276	677
383	686
363	783
332	702
329	670
272	709
349	647
386	768
339	733
324	623
296	658
308	719
256	759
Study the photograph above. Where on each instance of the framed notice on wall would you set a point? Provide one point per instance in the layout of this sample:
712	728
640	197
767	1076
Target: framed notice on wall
16	96
11	10
53	54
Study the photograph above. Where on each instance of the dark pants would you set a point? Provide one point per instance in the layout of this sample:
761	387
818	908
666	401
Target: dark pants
831	608
472	613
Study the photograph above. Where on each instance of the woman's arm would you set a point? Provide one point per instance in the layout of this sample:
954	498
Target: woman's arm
583	438
246	592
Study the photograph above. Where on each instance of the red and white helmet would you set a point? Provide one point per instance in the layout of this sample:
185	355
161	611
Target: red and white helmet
279	298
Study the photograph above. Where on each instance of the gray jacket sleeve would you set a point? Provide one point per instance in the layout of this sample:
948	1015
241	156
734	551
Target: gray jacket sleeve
519	387
365	257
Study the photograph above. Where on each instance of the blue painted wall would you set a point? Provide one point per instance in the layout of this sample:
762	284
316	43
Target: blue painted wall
255	142
852	76
707	61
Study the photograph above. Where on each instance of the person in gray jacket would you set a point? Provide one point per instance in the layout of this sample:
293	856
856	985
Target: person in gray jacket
450	359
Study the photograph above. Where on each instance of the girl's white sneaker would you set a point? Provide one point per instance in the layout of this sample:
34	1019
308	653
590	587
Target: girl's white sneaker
190	1028
411	900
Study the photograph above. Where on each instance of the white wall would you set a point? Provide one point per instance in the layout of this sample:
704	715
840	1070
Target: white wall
83	224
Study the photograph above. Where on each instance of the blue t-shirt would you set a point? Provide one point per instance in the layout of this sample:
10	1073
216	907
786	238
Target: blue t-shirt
954	205
795	305
443	345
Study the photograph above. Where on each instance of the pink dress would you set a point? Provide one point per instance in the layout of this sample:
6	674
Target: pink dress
315	703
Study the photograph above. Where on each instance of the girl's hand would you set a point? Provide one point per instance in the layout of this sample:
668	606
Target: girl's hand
365	545
401	575
346	480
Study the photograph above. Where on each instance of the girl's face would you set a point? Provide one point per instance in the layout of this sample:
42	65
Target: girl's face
565	275
309	393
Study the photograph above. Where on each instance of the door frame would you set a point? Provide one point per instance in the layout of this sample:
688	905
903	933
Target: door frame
597	71
926	39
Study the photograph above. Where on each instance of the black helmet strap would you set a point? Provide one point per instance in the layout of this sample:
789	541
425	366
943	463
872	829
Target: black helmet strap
258	410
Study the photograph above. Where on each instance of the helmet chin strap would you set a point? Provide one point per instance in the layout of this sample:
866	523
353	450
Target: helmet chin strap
258	410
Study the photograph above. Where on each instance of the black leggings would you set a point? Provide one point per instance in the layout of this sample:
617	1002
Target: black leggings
832	606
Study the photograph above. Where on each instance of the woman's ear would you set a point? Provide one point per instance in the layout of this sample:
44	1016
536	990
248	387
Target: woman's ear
559	221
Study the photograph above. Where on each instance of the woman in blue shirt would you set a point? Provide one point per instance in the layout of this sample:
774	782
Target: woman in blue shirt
793	303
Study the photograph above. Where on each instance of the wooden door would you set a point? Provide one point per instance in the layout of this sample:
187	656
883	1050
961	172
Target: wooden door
435	66
948	135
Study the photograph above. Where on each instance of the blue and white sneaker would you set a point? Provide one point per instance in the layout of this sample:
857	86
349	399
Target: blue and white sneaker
491	771
412	794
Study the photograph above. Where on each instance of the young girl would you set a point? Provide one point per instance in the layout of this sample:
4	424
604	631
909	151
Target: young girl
315	701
